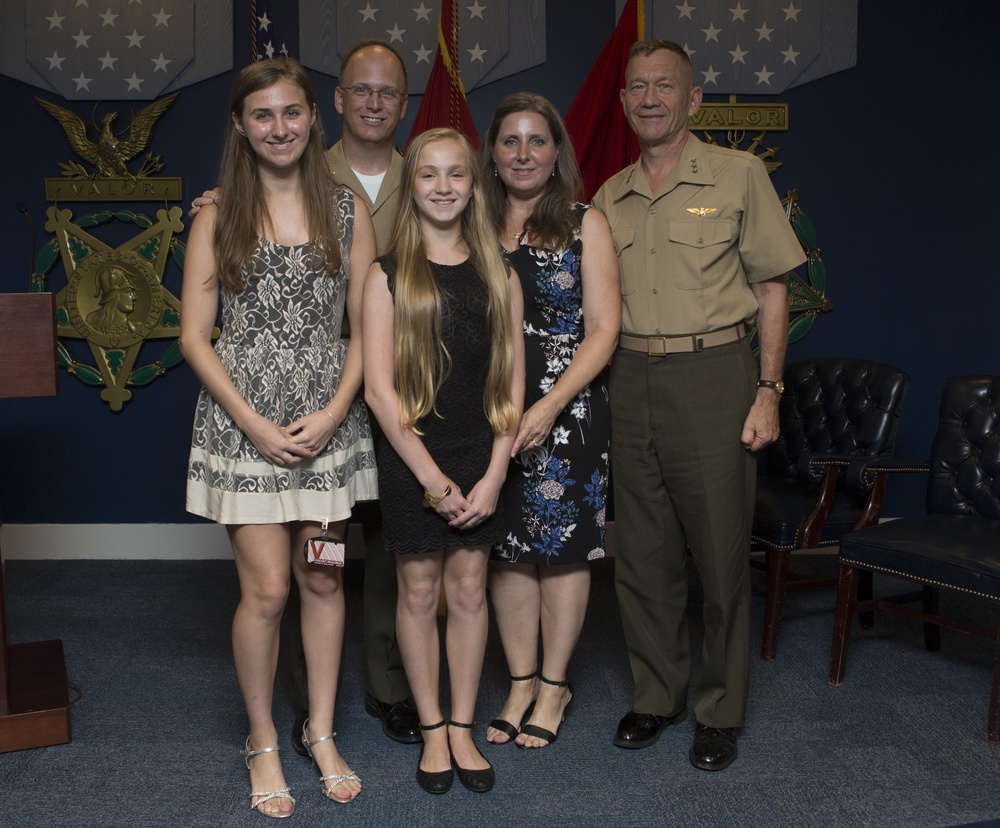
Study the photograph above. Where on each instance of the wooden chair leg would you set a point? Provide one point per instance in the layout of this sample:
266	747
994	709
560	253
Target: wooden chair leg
932	632
777	578
993	717
847	588
866	591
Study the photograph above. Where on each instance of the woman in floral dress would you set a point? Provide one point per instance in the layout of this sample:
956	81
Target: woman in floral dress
554	497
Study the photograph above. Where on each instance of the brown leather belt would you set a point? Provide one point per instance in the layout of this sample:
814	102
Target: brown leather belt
685	344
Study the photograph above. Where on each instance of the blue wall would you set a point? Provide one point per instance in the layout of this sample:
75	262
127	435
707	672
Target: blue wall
894	164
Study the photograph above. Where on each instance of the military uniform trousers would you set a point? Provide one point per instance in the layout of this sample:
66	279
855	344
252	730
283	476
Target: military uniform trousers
385	677
683	480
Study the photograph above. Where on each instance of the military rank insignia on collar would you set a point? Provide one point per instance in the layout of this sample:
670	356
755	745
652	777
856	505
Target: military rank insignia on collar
694	166
701	212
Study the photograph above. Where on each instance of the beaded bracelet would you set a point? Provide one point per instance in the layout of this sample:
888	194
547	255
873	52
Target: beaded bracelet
430	501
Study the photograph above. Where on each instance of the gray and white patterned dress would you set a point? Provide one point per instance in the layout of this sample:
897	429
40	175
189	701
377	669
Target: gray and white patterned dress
282	348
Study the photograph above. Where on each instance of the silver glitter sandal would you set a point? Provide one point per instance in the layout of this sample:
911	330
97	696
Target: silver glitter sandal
258	798
335	778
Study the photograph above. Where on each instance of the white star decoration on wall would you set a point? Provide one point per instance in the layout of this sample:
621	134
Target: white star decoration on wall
760	48
496	37
119	50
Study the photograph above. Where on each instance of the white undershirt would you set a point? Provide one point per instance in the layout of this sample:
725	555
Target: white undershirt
371	183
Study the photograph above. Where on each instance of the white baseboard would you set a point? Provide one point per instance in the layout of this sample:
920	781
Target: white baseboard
127	541
139	541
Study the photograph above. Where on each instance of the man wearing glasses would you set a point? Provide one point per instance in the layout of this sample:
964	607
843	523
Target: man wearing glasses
371	97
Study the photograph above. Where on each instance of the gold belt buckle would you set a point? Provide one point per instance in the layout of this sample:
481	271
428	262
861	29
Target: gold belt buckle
651	351
697	344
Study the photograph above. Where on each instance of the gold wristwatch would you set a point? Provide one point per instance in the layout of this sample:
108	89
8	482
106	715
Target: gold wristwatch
774	385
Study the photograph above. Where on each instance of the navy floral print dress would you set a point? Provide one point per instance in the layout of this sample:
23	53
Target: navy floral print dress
554	497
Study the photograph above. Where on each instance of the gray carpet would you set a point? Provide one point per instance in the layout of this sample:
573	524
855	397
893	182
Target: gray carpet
158	724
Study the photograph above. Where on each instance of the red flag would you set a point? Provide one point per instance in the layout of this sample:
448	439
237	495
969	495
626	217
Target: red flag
603	140
444	102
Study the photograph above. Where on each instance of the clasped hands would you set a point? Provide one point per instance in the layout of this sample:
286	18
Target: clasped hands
304	438
468	511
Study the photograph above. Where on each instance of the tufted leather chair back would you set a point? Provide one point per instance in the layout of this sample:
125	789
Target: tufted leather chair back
965	455
837	405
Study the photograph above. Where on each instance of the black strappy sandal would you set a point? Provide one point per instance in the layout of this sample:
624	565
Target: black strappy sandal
506	727
541	732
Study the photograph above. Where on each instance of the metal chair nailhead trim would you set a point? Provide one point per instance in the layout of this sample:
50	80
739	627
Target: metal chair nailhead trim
859	565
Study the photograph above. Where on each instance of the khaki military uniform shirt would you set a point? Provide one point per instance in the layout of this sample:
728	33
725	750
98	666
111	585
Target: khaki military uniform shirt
384	208
689	253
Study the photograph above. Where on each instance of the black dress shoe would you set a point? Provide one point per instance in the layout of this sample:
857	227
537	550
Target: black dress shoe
300	721
640	730
399	719
714	748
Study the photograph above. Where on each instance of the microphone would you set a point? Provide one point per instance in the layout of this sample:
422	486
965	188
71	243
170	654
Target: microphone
23	210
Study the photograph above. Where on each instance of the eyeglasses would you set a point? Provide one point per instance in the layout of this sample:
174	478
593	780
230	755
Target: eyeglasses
361	92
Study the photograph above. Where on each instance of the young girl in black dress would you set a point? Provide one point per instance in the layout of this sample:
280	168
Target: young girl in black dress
444	375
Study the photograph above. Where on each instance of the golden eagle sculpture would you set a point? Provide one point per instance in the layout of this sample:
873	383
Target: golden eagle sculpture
112	150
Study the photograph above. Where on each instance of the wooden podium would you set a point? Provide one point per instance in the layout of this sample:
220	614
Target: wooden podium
34	702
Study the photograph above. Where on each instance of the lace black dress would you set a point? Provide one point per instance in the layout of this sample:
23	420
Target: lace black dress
460	440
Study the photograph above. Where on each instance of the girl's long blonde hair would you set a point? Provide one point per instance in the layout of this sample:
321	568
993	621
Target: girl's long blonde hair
243	207
422	362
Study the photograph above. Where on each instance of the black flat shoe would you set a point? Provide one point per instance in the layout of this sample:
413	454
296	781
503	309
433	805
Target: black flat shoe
399	719
434	782
506	727
714	748
300	721
477	781
640	730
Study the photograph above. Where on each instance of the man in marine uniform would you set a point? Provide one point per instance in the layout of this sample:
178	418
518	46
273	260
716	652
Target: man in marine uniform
704	245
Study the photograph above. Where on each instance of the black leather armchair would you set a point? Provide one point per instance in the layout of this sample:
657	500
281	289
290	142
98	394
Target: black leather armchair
955	545
834	411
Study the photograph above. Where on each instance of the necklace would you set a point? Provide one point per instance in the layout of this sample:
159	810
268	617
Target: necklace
518	233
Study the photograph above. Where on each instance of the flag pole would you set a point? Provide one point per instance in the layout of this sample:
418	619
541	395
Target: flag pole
253	30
